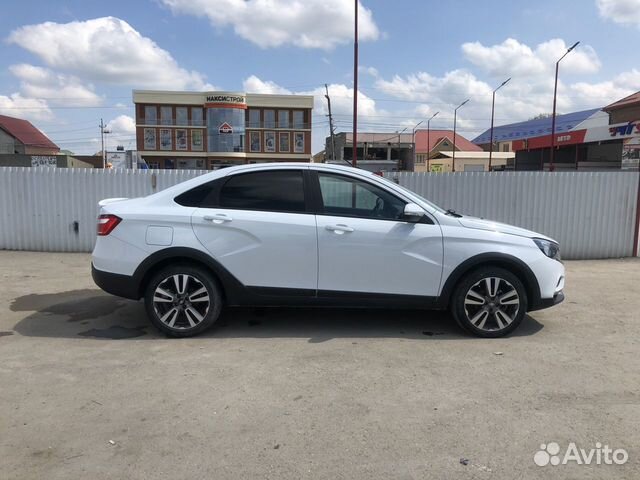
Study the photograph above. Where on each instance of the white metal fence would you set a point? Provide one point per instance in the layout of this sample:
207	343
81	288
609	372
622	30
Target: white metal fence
591	214
55	209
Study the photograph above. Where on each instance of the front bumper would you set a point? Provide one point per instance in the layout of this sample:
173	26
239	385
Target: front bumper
116	284
548	302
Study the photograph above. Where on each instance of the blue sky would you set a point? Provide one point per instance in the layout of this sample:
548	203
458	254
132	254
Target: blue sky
67	64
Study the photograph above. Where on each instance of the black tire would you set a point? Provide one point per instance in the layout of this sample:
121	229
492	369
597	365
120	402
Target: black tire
495	324
192	316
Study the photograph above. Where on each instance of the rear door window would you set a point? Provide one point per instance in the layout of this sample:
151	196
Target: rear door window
274	191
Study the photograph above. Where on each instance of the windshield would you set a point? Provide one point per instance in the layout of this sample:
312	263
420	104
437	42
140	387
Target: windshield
405	189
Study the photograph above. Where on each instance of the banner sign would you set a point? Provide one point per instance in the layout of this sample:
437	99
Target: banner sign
225	100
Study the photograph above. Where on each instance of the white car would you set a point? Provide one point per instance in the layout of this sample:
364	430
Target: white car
316	234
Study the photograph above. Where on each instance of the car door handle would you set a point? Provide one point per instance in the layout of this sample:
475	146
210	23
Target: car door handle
339	228
218	218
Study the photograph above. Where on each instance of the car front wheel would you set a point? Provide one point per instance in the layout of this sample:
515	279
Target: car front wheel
183	300
489	302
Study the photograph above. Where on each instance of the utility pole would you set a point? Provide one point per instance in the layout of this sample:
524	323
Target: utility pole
455	120
103	131
333	141
104	160
355	89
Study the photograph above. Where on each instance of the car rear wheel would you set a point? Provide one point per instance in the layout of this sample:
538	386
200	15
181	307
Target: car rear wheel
183	300
489	302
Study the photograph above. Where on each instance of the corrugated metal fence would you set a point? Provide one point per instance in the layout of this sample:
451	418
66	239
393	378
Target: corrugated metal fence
591	214
39	206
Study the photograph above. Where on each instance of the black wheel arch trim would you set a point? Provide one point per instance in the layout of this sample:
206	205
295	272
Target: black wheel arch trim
229	284
511	263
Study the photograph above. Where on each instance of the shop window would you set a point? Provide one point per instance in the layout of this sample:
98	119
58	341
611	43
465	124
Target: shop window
284	139
298	119
197	117
283	118
166	114
150	115
269	119
254	118
196	140
181	139
165	139
270	142
149	138
182	116
298	142
254	141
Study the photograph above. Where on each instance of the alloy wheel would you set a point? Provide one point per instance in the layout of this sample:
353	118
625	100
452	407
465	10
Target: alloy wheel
491	304
181	301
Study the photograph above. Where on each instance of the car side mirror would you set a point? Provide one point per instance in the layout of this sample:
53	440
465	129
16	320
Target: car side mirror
413	212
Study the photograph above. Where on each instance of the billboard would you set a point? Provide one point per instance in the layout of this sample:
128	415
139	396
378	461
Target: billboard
117	159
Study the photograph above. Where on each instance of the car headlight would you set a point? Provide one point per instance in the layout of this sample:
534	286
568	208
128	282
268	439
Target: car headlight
550	249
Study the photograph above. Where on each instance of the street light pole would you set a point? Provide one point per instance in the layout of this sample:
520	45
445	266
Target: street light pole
455	120
429	138
553	115
400	133
413	144
493	107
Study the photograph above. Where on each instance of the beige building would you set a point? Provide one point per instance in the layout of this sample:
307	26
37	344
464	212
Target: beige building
208	130
466	162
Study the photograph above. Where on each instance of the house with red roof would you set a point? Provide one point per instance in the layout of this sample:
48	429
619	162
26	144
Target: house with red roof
18	136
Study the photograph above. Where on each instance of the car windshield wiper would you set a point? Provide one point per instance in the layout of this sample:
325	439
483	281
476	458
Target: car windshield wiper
452	213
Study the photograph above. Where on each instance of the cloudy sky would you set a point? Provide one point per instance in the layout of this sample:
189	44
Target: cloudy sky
66	64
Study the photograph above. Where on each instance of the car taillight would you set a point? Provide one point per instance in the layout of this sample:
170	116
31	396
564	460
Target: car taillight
106	223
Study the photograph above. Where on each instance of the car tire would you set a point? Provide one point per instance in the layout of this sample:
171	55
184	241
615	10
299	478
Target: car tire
489	302
183	300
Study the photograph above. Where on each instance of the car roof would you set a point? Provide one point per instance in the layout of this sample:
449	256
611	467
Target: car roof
295	165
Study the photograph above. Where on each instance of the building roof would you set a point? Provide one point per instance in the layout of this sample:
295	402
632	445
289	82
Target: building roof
482	155
534	128
25	132
632	99
436	136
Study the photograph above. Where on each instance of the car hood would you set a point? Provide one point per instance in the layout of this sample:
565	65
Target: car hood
481	224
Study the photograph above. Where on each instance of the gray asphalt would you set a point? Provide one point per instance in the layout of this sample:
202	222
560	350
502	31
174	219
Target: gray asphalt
89	389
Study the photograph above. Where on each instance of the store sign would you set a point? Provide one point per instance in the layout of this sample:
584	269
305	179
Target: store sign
44	161
627	129
225	128
225	101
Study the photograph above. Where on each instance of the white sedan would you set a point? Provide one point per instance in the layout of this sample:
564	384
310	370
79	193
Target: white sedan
316	234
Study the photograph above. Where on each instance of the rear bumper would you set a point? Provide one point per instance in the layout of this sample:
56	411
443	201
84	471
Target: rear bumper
116	284
548	302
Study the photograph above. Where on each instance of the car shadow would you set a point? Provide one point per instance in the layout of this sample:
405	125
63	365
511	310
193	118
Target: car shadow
90	313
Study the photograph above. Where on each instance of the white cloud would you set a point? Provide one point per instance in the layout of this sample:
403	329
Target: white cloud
15	105
56	88
512	58
254	84
320	24
519	100
106	50
626	12
122	125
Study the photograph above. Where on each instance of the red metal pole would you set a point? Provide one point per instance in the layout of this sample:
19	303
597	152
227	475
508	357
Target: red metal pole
355	91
